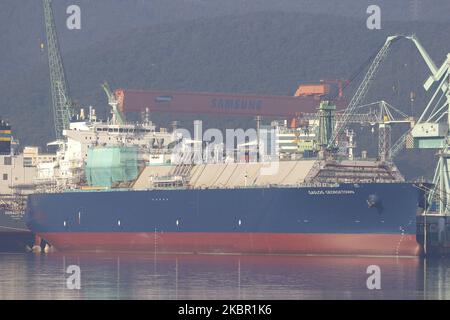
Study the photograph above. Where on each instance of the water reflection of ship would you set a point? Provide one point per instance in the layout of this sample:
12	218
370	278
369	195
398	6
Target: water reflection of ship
131	276
237	277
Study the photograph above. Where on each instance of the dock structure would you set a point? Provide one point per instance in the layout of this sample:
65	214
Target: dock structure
433	234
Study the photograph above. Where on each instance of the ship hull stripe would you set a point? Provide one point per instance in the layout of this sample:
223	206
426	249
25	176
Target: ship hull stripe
237	243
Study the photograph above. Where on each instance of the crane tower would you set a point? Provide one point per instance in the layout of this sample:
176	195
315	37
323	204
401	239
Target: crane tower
62	104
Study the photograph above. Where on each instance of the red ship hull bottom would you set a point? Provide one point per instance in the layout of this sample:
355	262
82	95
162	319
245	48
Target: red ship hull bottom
237	243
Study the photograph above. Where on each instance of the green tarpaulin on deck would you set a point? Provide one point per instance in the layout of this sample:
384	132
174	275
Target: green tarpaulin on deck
108	165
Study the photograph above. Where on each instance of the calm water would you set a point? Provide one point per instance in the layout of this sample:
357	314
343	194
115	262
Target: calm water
131	276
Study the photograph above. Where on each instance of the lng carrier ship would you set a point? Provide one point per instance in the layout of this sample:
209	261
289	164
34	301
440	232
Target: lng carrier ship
136	188
339	218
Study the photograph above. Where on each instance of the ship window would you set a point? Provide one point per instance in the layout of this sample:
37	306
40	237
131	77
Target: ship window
5	176
7	161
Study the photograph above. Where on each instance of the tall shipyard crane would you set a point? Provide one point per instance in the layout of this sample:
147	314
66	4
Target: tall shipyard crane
62	103
361	92
401	142
432	132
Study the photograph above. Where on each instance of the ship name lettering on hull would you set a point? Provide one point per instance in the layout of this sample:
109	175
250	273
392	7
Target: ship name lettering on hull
326	192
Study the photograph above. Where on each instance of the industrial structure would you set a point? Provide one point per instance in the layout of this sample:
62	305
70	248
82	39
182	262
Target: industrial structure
61	101
364	86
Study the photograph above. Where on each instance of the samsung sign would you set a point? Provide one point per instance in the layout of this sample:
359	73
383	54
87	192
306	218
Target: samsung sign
163	99
236	104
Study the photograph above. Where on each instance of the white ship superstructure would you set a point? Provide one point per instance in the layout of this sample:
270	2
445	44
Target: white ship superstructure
84	134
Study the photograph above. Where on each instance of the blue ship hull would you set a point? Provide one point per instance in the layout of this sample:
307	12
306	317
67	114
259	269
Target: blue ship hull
365	218
14	237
